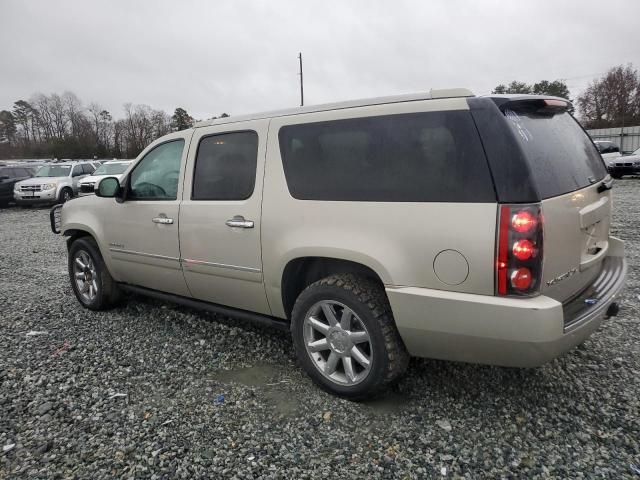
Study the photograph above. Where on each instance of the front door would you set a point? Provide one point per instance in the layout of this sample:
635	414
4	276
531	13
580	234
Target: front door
142	231
220	216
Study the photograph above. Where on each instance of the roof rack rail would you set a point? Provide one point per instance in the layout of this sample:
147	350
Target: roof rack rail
433	94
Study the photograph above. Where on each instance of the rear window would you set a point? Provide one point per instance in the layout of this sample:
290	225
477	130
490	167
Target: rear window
420	157
560	155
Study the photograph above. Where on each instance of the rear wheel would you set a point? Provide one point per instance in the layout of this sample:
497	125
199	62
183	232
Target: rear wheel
345	337
91	282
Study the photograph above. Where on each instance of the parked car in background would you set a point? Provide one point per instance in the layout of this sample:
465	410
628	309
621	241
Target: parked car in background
371	230
608	150
9	176
54	183
112	168
626	165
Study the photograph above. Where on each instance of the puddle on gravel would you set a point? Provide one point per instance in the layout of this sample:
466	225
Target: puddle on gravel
255	376
283	402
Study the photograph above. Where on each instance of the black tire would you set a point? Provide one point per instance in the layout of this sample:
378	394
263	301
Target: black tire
618	177
108	294
65	195
367	299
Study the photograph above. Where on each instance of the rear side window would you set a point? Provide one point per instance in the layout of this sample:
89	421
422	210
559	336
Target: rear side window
226	167
418	157
87	168
560	155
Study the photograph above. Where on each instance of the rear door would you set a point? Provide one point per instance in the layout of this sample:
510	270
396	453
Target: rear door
220	215
570	177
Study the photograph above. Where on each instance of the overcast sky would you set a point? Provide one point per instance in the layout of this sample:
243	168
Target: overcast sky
239	57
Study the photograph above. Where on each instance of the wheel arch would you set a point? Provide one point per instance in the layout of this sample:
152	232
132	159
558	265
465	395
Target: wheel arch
301	272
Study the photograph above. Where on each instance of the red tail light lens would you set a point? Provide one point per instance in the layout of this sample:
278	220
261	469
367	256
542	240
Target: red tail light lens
523	249
521	278
519	250
524	221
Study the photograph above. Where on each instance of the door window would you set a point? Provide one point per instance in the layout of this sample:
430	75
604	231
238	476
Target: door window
77	171
87	168
156	176
226	167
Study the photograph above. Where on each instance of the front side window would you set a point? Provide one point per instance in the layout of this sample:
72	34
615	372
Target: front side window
417	157
156	176
226	167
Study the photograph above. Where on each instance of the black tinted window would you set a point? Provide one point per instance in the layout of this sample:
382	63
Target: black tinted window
87	168
561	156
421	157
226	167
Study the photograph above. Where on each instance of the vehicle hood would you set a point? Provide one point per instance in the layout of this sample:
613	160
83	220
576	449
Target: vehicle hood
97	178
41	180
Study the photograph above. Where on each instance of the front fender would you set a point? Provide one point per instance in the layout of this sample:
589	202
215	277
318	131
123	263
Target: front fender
84	214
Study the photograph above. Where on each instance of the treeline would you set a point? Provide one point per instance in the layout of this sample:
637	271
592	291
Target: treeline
612	100
60	126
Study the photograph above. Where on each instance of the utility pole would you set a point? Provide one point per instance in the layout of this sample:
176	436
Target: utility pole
301	84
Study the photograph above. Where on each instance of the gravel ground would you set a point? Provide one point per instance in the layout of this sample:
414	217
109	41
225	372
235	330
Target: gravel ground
151	390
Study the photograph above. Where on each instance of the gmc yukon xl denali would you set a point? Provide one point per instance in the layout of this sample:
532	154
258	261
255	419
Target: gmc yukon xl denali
439	225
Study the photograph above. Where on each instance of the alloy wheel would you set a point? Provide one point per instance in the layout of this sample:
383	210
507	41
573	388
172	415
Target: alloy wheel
85	276
337	342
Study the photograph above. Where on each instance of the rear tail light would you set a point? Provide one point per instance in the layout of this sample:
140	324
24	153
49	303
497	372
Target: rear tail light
519	250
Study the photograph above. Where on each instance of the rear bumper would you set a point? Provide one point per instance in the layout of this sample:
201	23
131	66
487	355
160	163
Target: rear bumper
504	331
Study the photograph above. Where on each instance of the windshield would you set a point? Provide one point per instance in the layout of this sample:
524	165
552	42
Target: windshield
111	169
560	154
54	171
636	152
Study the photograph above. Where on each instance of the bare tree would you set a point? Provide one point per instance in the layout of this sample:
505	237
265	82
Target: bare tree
612	100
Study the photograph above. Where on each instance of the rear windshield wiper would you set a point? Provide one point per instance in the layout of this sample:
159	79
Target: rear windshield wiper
605	185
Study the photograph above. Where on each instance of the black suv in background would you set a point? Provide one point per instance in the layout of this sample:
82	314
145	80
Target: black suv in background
8	177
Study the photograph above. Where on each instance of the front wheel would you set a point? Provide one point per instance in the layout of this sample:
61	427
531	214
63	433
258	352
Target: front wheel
66	194
345	337
92	284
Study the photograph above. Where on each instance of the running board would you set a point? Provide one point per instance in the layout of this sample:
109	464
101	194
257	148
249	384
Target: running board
266	320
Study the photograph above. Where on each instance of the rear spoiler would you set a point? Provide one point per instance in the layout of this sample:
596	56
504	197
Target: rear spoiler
532	103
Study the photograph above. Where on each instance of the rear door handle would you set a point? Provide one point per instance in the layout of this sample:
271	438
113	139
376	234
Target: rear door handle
239	222
162	220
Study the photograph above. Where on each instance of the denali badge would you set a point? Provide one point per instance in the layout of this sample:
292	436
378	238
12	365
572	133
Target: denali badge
559	278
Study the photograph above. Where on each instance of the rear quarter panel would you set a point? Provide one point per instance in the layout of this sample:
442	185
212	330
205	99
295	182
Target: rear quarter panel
398	240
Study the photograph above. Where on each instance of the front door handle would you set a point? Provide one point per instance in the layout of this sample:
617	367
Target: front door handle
162	220
239	222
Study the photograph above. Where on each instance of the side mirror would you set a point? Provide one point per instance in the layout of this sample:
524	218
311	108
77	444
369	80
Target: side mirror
109	188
